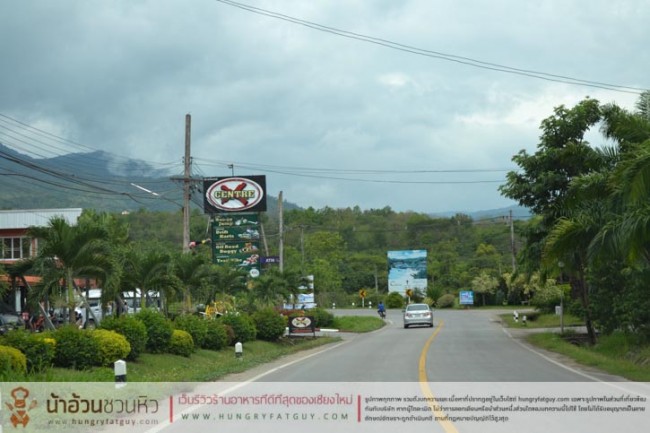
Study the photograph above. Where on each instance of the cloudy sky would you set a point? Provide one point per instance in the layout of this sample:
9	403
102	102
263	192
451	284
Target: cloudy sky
361	110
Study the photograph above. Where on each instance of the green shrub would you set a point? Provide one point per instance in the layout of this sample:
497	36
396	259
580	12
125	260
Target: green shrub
230	333
75	348
270	324
159	330
39	349
134	331
195	325
322	317
242	325
394	300
217	337
112	346
181	343
446	301
12	360
546	298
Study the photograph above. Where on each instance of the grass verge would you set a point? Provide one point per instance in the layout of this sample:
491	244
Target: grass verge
203	365
358	324
541	321
618	354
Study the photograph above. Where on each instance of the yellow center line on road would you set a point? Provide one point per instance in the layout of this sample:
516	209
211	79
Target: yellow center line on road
439	415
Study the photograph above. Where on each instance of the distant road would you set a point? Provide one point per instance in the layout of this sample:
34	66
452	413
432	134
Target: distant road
468	346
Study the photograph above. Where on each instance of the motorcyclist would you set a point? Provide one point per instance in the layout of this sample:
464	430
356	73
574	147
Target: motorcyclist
381	310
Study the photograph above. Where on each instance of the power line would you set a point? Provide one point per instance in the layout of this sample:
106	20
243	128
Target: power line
436	54
300	173
66	181
349	171
37	138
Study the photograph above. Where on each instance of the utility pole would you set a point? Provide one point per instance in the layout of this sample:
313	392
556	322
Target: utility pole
302	250
186	185
376	281
512	243
281	245
266	245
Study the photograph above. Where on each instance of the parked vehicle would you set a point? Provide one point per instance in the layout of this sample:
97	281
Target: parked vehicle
133	300
418	314
10	321
93	298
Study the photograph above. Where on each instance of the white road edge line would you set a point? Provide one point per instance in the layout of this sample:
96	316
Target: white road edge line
166	423
573	370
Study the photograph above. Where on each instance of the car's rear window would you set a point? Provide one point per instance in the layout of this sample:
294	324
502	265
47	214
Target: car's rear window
417	308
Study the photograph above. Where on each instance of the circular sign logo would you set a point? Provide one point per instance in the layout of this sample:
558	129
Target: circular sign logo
234	194
301	322
254	273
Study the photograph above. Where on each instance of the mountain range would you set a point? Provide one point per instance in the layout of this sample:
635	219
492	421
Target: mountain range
106	182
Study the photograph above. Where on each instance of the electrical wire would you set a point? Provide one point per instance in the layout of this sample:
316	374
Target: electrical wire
300	173
18	131
344	171
436	54
69	182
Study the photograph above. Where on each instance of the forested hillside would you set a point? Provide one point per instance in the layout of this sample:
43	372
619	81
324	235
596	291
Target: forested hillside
346	249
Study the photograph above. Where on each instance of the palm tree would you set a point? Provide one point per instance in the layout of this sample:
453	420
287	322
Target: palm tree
568	242
3	285
194	272
68	251
571	241
150	269
270	288
225	280
629	232
608	215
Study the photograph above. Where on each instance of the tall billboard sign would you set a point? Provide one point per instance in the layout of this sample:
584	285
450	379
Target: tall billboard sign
235	241
234	203
234	194
407	269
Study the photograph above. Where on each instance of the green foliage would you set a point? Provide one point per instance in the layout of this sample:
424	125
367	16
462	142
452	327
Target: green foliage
242	325
270	324
66	251
322	317
181	343
446	301
620	301
112	346
132	329
394	300
75	348
195	325
12	361
563	154
546	297
484	284
217	336
270	289
159	330
39	349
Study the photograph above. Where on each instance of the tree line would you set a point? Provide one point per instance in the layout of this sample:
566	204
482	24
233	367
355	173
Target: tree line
588	241
592	224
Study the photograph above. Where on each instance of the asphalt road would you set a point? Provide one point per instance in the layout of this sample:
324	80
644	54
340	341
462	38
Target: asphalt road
466	353
468	346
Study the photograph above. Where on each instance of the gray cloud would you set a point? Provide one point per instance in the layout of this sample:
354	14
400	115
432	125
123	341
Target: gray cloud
120	76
